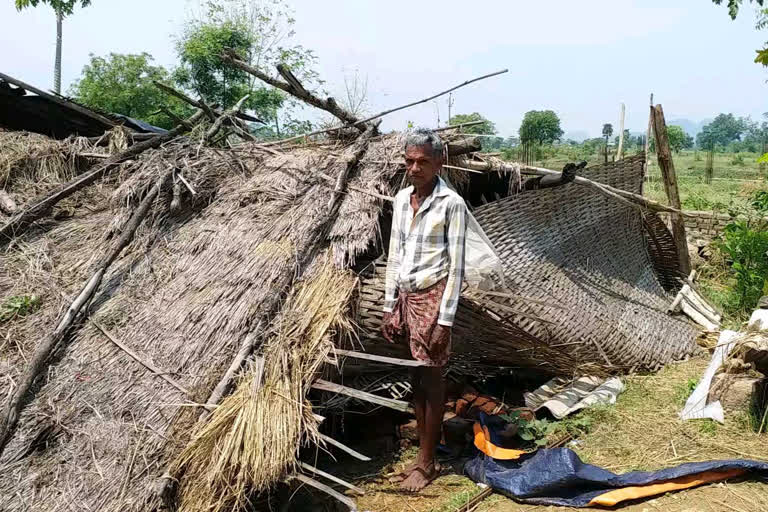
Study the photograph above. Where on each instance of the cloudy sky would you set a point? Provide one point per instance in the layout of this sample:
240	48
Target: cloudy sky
581	59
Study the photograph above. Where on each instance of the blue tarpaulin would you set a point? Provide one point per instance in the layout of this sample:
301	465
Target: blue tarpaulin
557	476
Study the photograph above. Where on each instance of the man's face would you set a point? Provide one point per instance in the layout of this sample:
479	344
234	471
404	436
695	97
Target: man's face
421	166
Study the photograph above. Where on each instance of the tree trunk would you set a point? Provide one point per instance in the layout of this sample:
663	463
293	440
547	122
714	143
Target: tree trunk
57	64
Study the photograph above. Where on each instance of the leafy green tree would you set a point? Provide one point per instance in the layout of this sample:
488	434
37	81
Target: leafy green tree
541	126
62	8
257	32
762	22
486	128
607	131
122	84
678	139
723	130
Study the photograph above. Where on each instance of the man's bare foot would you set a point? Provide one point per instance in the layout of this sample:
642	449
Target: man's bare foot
405	473
420	478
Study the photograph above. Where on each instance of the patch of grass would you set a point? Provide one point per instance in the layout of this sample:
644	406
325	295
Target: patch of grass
458	499
685	389
18	306
707	427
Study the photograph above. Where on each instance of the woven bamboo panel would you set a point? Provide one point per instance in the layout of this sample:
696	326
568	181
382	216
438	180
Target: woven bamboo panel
575	247
602	270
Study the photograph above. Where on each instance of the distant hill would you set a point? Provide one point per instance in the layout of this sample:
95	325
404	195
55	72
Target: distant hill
577	135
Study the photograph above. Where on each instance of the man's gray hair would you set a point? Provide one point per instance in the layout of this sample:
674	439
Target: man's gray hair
425	137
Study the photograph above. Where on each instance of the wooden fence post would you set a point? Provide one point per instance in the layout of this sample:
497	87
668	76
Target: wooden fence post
664	156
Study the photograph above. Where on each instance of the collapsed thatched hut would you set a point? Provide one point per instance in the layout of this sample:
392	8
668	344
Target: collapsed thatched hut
263	263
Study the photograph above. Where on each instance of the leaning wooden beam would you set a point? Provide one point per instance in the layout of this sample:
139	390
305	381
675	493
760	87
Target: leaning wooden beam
40	359
378	359
322	487
616	193
667	166
146	364
201	104
294	88
331	477
344	448
324	385
40	207
464	146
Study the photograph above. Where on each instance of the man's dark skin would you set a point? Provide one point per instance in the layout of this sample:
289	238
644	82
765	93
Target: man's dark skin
422	168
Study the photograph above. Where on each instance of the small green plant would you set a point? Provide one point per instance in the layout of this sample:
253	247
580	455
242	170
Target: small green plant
760	201
745	244
18	306
708	427
737	159
684	391
535	431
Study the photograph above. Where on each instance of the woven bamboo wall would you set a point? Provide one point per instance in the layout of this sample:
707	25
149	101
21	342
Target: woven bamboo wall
589	260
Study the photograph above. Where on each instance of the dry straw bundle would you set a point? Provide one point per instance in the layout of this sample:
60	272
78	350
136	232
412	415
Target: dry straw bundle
253	437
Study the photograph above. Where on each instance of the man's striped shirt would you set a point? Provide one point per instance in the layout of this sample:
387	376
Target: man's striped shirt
427	247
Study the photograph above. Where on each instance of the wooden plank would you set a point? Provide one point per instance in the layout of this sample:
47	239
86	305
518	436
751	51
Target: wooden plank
64	103
379	359
331	477
667	166
345	448
322	487
324	385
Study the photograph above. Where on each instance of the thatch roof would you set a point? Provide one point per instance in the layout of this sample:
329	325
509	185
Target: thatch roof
248	254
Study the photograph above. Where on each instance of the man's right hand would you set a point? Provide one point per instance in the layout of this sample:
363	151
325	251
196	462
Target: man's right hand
387	329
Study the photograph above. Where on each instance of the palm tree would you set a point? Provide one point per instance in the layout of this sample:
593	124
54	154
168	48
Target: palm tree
62	8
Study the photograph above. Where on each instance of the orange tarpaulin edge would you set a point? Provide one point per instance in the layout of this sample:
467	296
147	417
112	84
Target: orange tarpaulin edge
611	498
484	444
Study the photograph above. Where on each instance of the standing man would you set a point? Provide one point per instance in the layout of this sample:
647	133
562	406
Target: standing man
425	269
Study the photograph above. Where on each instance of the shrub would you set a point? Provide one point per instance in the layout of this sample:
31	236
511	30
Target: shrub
18	306
745	244
760	201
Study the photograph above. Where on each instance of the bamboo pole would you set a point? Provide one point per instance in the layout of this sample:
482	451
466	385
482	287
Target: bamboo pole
667	166
618	194
621	133
384	113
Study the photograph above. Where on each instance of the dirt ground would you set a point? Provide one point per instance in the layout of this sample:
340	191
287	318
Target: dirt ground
641	432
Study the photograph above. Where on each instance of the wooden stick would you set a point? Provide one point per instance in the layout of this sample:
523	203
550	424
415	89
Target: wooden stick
379	359
322	487
211	111
616	193
17	224
324	385
621	133
39	362
146	364
293	87
458	126
467	82
345	448
246	348
465	169
667	166
470	505
331	477
382	114
353	157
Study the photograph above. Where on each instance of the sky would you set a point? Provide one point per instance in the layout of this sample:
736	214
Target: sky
580	59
